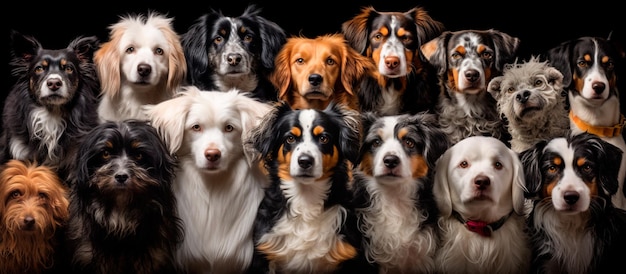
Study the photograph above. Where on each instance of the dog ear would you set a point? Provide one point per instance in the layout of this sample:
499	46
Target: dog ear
84	47
609	159
251	113
168	117
367	119
107	60
506	47
436	140
558	57
354	67
273	37
23	49
531	161
177	70
356	29
441	187
435	52
494	87
428	28
266	135
281	76
519	184
350	131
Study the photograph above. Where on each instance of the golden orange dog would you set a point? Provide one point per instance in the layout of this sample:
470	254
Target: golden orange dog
312	72
33	209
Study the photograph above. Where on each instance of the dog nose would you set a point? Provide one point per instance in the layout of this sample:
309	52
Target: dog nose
315	79
482	182
391	161
121	178
212	154
144	70
54	84
29	222
472	75
523	97
571	197
392	62
305	161
233	59
598	87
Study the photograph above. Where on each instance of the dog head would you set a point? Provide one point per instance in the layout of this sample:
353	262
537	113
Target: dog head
311	72
399	147
589	66
143	52
480	178
221	50
468	59
392	39
34	205
307	144
54	77
573	172
207	126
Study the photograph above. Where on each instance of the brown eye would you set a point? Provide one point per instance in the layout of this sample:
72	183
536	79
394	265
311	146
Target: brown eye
498	165
38	69
130	50
455	55
486	55
378	37
330	62
218	40
139	156
247	38
324	139
300	60
68	69
43	196
409	143
464	164
106	155
290	140
538	83
229	128
511	90
196	127
159	51
377	143
552	169
15	194
581	64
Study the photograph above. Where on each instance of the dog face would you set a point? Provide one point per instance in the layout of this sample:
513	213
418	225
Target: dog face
468	59
221	50
480	178
573	172
320	69
400	147
143	52
391	39
308	144
589	68
207	127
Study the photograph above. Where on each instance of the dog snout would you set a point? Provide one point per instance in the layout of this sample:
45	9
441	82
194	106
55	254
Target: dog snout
121	178
571	197
522	97
392	62
212	154
144	70
482	182
472	75
233	59
305	161
598	87
315	79
54	84
28	223
391	161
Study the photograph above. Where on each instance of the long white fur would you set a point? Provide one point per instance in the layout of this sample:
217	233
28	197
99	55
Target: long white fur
154	42
216	201
507	250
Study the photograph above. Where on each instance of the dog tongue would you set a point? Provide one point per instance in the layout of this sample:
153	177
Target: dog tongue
479	227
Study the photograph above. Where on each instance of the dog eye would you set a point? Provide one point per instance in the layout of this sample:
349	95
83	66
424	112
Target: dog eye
464	164
587	168
196	127
106	154
139	156
229	128
538	83
455	55
69	69
290	139
130	50
511	89
38	69
552	169
330	62
159	51
299	60
378	37
43	196
218	39
247	38
324	139
486	55
377	143
15	194
581	64
498	165
409	143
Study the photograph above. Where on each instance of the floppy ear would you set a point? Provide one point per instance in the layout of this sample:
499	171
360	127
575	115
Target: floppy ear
533	178
428	28
266	135
107	60
177	70
494	87
559	58
350	134
506	47
168	117
281	76
610	157
519	184
273	37
251	112
354	67
441	187
356	29
435	51
194	44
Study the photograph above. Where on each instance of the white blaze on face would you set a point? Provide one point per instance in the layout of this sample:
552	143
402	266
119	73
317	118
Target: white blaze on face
307	147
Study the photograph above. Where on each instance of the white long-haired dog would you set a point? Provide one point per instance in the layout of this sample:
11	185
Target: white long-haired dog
142	63
479	190
218	189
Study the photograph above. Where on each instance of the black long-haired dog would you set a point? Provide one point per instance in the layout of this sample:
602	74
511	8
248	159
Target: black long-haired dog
52	103
122	212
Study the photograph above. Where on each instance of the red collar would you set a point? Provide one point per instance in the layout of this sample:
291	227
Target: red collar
480	227
611	131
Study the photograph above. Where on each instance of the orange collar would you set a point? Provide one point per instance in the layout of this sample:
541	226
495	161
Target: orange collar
612	131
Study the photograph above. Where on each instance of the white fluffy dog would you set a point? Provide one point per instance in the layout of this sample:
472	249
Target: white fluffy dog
530	95
479	190
142	63
218	190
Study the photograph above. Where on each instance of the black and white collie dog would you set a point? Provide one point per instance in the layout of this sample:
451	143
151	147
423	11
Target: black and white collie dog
122	210
225	52
301	224
393	196
574	226
52	103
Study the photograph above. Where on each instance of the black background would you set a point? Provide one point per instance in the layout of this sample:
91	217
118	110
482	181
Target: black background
539	24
